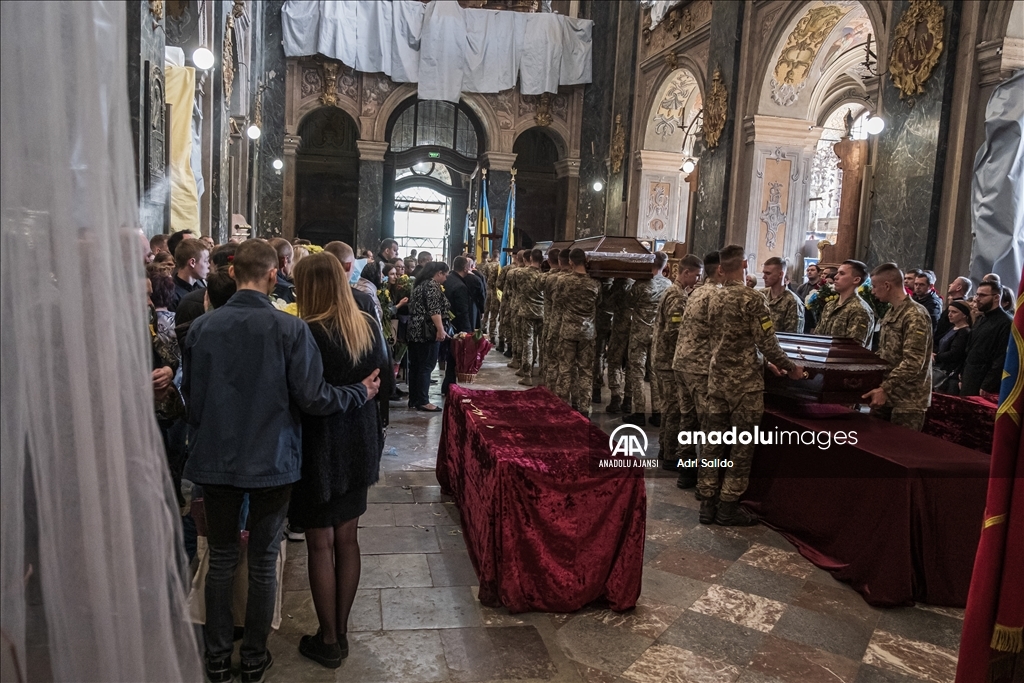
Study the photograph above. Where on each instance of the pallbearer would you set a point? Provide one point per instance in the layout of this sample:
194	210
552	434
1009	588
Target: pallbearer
786	308
848	316
618	345
578	292
643	302
530	286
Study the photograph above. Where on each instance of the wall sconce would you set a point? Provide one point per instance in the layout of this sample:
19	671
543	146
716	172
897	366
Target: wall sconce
278	164
253	131
689	164
874	124
598	185
202	58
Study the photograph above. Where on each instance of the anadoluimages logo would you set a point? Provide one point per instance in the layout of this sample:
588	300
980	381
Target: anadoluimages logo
629	441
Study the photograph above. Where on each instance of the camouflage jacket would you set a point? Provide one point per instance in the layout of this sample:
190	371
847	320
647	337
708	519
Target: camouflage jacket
530	286
512	289
578	294
787	310
603	320
552	299
490	272
906	343
618	304
693	346
643	300
742	336
666	326
501	283
852	319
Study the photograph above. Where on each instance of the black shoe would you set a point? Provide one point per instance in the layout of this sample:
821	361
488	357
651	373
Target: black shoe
218	671
254	673
615	405
686	481
655	419
295	534
596	398
669	464
708	510
627	405
637	419
733	514
315	648
507	353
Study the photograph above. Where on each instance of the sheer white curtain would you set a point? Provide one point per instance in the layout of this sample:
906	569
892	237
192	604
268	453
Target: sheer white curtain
77	407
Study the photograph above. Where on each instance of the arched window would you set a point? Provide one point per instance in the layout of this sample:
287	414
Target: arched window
438	124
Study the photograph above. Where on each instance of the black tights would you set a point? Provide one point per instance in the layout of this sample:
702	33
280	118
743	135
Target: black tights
333	565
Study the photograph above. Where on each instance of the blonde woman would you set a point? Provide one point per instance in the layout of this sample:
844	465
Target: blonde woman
340	453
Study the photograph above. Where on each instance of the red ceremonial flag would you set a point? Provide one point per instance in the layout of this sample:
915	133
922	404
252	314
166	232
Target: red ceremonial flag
994	621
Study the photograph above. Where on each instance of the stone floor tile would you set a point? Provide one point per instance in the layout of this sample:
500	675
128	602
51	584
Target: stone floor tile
671	589
452	568
392	656
665	533
776	560
426	514
837	600
385	540
670	664
389	494
506	653
684	517
599	645
911	657
740	608
451	538
429	494
713	637
429	608
411	479
290	666
869	673
395	571
710	540
651	551
296	575
297	613
845	638
691	564
377	514
648	618
923	625
790	661
365	614
767	584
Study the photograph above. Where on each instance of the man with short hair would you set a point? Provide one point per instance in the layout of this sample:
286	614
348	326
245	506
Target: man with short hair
986	346
905	342
192	263
924	294
643	302
849	316
344	253
177	238
388	250
422	259
908	280
249	373
578	292
477	285
284	289
158	243
804	291
786	308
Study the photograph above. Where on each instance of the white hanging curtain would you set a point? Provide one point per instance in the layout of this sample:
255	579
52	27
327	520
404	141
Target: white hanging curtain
444	48
77	404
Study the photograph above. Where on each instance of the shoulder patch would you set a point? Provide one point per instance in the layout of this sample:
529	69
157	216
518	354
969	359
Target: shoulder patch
766	323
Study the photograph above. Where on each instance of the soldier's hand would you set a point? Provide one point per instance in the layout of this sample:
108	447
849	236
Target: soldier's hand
877	396
775	369
797	373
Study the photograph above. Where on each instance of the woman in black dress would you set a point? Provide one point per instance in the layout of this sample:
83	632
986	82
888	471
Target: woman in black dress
340	453
951	350
428	309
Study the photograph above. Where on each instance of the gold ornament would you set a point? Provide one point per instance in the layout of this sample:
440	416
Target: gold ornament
715	109
543	116
228	58
329	74
916	46
618	144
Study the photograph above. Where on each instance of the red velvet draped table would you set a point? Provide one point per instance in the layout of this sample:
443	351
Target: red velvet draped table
898	515
546	529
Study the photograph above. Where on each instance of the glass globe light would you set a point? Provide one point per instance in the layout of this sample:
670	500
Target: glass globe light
278	164
253	132
598	186
874	125
202	58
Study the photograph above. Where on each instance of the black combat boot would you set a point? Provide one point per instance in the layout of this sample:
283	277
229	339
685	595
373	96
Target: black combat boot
615	405
627	405
637	419
733	514
686	481
708	510
596	398
656	419
668	464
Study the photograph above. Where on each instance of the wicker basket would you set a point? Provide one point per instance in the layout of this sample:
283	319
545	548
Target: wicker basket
465	378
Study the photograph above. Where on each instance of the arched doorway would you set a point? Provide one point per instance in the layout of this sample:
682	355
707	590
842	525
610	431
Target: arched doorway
327	177
433	151
540	204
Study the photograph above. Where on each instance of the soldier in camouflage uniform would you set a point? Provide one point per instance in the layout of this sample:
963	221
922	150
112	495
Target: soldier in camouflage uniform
512	292
643	301
905	343
603	330
786	308
552	315
501	282
618	345
578	293
531	297
742	331
666	333
692	355
491	306
848	316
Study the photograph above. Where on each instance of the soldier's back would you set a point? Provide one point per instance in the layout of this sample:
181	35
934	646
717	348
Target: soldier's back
578	294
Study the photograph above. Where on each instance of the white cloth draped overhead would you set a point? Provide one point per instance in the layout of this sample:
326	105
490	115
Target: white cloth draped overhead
444	48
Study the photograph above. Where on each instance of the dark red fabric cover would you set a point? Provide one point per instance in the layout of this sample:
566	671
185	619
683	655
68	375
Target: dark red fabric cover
546	529
898	515
968	421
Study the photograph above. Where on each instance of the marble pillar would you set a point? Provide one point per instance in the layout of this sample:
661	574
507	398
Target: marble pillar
371	194
853	154
145	33
911	158
623	87
715	163
269	67
568	173
291	150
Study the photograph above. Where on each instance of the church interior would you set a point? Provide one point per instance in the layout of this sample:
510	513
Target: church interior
810	134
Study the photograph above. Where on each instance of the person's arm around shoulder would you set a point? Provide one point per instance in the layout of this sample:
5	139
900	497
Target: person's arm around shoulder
306	385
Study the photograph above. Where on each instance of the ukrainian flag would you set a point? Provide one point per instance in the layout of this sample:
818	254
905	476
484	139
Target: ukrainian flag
508	238
483	223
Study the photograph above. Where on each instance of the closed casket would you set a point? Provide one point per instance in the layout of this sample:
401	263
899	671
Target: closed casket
839	370
609	256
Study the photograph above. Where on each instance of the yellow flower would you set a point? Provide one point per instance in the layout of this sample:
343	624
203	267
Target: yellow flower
314	248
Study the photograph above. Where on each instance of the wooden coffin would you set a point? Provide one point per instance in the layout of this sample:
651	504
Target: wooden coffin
839	370
609	256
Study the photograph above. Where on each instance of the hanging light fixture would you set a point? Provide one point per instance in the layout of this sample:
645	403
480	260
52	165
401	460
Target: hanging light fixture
202	58
253	132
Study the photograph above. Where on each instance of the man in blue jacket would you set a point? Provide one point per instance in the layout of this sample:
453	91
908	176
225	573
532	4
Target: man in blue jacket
249	372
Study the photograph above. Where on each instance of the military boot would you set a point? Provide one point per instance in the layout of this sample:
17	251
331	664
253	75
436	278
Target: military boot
731	513
596	398
615	405
656	419
514	363
686	480
708	510
627	404
638	419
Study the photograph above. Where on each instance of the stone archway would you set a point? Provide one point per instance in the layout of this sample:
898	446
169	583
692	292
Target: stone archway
540	197
326	183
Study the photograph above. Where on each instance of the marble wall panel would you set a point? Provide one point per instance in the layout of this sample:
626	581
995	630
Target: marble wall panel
270	59
371	188
145	33
622	100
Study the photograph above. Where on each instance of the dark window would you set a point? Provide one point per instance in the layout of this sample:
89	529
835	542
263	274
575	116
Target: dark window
436	123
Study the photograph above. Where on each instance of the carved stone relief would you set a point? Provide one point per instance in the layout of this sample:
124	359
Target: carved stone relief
376	88
679	22
797	55
773	216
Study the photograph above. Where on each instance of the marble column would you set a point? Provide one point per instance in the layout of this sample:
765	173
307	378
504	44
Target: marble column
715	163
291	150
269	67
145	33
624	78
853	154
499	184
371	194
568	173
911	158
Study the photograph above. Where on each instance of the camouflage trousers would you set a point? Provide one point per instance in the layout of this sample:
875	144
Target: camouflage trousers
697	387
602	324
532	330
549	354
639	350
575	363
490	319
911	419
618	345
504	324
677	414
744	412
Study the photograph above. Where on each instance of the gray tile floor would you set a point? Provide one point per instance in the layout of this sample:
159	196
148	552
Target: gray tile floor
718	605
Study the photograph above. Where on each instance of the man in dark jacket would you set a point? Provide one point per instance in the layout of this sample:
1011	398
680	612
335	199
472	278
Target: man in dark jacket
477	286
461	303
192	264
986	350
250	371
924	294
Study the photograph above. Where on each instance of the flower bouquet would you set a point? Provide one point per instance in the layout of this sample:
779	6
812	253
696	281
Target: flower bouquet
865	291
817	299
469	351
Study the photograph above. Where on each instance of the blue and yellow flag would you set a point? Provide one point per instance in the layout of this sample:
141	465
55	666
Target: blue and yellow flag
508	238
483	223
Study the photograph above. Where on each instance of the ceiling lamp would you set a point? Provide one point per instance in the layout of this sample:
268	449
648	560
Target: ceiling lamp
202	58
253	132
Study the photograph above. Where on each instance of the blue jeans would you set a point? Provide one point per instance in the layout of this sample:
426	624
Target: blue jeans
422	359
267	510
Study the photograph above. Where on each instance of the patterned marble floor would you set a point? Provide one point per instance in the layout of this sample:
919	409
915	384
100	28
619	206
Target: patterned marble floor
719	605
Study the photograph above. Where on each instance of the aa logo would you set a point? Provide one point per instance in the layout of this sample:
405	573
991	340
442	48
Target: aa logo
629	441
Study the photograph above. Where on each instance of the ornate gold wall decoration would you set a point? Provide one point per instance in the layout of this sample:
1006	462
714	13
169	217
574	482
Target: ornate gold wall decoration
543	115
916	46
715	108
618	150
797	55
156	8
227	58
329	81
238	9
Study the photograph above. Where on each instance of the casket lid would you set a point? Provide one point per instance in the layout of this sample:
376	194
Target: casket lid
611	244
829	353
